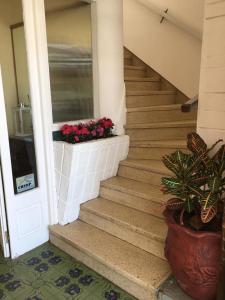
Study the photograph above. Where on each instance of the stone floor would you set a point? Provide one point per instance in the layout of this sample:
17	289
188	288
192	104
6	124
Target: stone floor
171	291
47	273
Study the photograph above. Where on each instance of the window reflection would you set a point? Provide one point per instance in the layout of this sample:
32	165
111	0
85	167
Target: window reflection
70	59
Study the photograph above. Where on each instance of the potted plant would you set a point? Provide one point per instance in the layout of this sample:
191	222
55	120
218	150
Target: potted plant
194	216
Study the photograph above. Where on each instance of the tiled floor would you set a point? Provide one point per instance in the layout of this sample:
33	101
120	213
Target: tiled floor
170	290
47	273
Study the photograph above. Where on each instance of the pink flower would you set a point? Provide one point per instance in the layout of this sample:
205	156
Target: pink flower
76	138
94	132
100	131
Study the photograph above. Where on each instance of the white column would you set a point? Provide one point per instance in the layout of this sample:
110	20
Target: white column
109	44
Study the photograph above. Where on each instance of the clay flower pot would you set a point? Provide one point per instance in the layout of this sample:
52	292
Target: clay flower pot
194	258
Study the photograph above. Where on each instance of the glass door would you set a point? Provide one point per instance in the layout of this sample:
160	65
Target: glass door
21	135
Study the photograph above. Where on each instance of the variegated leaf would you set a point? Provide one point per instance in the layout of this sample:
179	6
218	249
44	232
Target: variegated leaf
209	200
209	213
171	182
175	204
214	184
196	144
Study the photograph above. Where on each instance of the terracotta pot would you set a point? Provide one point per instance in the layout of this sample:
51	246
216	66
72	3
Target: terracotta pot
194	258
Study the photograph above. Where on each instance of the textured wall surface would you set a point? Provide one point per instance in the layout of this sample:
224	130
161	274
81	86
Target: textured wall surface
80	168
211	114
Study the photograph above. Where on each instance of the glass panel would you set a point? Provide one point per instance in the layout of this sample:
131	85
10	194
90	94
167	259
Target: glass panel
70	59
13	60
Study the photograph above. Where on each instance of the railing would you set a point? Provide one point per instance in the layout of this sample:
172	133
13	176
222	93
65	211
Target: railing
190	104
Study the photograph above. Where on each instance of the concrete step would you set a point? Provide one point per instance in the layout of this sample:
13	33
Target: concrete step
147	83
149	98
160	131
133	226
128	61
127	54
148	171
155	149
134	71
159	113
131	268
137	195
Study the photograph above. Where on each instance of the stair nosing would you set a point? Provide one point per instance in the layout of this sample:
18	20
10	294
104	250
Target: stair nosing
141	79
122	224
178	124
133	164
132	67
150	92
158	144
155	108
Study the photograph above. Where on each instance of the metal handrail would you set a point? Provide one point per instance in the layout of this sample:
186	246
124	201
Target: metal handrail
190	104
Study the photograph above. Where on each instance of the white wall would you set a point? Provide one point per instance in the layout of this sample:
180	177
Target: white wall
211	116
188	12
109	45
171	51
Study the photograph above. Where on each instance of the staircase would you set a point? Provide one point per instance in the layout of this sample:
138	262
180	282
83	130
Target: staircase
121	234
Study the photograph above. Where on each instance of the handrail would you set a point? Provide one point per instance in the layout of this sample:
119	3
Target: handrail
176	21
190	104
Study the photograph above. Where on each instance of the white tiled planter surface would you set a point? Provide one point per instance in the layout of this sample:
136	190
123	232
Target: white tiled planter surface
79	169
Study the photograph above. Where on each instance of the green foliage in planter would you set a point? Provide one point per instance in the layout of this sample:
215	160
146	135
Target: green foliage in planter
198	180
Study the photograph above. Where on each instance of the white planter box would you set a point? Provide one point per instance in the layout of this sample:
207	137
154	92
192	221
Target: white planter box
80	168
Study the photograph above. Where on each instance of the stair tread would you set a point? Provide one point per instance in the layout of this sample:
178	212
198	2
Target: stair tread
134	263
146	164
160	144
142	79
156	108
188	123
150	92
132	67
135	188
127	217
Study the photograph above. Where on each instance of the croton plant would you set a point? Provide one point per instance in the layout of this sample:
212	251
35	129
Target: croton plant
198	182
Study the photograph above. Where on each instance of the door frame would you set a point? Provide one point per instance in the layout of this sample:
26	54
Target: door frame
3	215
3	221
35	30
37	51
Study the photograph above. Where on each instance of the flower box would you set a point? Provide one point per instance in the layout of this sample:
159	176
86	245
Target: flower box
79	169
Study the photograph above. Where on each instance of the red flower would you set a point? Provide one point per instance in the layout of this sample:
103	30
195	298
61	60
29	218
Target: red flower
106	123
75	129
76	139
66	129
84	131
